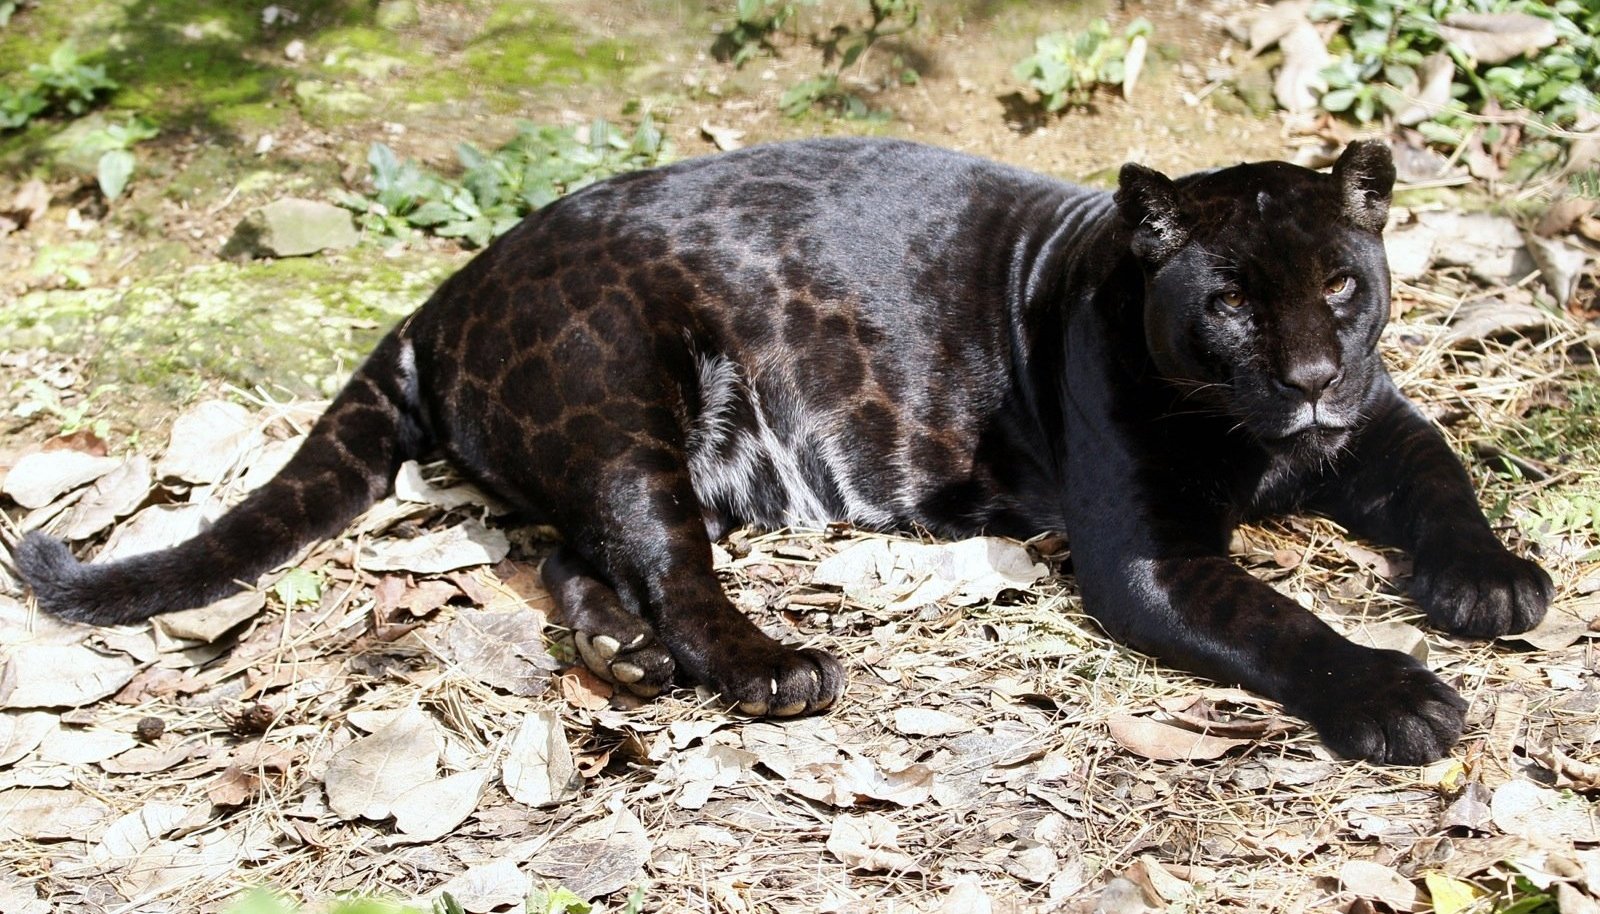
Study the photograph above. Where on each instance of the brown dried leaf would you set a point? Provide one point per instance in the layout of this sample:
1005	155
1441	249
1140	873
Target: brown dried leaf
437	551
207	440
42	813
1392	636
1376	882
929	722
538	769
131	834
233	787
40	478
583	689
726	139
1492	38
208	623
21	733
845	783
1564	625
157	527
892	572
870	842
61	676
1538	813
432	810
114	495
505	650
487	886
71	746
598	858
1300	78
366	776
1155	740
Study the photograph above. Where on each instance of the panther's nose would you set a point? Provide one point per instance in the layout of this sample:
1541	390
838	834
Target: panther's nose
1309	378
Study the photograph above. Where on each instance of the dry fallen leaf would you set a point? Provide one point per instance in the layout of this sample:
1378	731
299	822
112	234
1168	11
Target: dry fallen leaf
114	495
1538	813
1491	38
437	551
699	771
131	834
1391	635
366	776
1300	77
1376	882
21	733
40	478
431	810
157	527
929	722
538	769
505	650
597	859
42	813
1438	74
893	572
1563	625
71	746
870	842
487	886
61	676
726	139
207	440
208	623
1155	740
857	778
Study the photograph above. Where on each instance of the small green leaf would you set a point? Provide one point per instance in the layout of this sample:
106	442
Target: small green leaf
1338	100
115	168
297	587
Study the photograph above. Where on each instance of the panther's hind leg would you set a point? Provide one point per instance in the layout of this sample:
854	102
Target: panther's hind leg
643	529
615	645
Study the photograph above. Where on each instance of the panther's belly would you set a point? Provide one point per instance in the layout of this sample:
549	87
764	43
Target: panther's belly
763	456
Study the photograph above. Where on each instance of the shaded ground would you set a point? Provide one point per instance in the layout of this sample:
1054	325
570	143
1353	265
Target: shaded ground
1038	784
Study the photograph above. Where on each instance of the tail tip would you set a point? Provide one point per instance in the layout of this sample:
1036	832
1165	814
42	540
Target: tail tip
48	567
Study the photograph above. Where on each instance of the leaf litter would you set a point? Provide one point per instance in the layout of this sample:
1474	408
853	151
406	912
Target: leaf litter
382	717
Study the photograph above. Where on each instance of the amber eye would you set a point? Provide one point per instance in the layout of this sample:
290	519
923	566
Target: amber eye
1233	298
1338	286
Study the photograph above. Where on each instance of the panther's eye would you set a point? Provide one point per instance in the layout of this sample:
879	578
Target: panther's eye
1337	286
1232	298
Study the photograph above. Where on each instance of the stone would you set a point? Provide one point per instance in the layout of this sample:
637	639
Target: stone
292	227
396	15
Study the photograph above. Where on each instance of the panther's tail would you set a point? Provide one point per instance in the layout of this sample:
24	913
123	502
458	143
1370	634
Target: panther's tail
347	462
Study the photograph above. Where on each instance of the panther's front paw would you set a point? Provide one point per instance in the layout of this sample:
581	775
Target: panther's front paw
631	658
1482	592
770	680
1384	706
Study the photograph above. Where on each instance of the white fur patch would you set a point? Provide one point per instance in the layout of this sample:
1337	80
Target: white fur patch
727	460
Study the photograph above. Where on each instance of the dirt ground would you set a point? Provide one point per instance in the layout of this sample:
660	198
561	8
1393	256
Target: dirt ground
389	718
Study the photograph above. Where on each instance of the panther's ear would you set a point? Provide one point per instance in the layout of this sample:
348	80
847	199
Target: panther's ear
1148	201
1364	175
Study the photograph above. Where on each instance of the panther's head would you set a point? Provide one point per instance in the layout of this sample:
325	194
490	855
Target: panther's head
1266	288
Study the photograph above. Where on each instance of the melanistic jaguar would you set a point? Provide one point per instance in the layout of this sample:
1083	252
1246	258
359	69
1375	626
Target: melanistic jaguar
893	335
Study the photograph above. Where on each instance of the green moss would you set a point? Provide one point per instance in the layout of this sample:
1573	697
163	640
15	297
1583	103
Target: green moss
525	44
299	324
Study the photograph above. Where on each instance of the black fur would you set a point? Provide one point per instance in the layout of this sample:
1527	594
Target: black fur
893	335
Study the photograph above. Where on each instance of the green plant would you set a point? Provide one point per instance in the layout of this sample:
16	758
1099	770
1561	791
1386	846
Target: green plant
497	189
117	160
1381	47
754	24
60	84
1066	68
847	46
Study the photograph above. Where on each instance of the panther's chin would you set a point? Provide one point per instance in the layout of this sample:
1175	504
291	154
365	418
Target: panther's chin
1313	441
